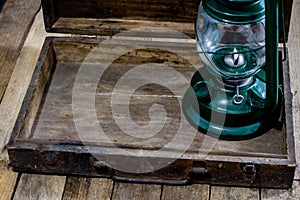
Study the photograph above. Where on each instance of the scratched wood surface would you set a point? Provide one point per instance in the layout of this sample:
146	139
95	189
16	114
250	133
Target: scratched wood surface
10	183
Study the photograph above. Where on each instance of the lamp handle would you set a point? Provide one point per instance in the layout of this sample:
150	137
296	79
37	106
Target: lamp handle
272	61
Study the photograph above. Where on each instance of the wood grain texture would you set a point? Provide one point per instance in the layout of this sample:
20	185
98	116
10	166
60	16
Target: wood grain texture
290	194
131	191
55	120
8	180
185	192
230	193
43	187
15	21
80	188
294	59
20	79
293	194
108	17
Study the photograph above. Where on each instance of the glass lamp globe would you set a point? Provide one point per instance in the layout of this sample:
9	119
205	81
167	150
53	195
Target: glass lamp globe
231	41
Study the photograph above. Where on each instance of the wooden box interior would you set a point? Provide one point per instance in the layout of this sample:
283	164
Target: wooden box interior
46	120
51	117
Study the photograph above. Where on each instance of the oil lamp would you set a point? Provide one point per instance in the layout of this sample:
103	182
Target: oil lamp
238	43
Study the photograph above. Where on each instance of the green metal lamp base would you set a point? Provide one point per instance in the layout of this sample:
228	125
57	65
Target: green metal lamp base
220	112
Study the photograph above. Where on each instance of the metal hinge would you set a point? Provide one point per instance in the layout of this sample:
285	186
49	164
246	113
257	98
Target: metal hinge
249	172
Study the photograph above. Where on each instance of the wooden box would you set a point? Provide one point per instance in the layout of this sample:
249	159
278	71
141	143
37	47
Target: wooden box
81	116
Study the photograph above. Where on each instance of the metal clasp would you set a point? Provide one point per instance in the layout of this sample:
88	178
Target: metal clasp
249	172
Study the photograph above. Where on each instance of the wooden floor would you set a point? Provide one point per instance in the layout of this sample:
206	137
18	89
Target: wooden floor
30	186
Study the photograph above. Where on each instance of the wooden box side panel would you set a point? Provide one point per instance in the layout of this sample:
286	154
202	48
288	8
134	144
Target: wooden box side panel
181	172
107	17
35	93
288	117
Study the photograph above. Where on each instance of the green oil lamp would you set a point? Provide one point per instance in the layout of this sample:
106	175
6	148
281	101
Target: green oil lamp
238	43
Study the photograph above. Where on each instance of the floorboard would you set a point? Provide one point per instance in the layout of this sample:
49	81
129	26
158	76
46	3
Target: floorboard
41	187
290	194
15	19
186	192
8	180
233	193
82	188
131	191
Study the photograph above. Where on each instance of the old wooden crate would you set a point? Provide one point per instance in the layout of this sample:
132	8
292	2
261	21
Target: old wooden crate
92	105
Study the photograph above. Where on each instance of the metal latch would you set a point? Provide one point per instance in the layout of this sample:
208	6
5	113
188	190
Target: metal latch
249	171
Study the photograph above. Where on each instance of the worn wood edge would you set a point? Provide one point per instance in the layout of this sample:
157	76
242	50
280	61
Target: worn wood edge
85	161
289	124
118	26
83	147
35	93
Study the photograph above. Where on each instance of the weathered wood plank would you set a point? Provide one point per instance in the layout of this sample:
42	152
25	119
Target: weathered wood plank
79	188
111	27
15	21
294	59
55	120
136	191
234	193
20	79
290	194
109	18
8	180
40	187
185	192
16	89
296	113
